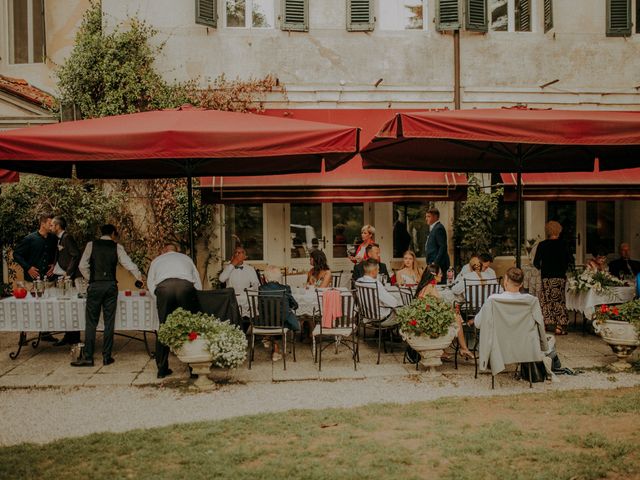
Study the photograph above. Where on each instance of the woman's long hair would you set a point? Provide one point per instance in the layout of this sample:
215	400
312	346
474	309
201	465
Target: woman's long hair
429	274
415	269
319	262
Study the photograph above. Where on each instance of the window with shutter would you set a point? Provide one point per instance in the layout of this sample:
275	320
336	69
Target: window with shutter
448	15
360	16
206	13
618	18
523	15
295	15
476	19
548	15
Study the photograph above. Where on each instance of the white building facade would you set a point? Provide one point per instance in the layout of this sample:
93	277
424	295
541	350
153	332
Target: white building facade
376	55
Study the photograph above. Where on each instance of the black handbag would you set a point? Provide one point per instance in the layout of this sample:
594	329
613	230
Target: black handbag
535	369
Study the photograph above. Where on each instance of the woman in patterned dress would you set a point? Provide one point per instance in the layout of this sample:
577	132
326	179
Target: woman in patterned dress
553	260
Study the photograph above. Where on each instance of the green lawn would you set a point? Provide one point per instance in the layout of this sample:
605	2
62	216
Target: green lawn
573	435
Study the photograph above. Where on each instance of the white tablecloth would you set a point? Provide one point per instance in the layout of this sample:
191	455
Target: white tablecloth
54	314
585	302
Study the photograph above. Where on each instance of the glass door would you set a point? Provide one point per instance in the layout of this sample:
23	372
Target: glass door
565	213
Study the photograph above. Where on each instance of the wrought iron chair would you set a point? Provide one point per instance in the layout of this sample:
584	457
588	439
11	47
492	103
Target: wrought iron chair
267	313
369	311
336	279
476	293
344	329
406	295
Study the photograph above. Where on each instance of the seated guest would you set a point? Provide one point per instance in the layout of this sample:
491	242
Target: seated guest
239	275
476	274
373	251
320	274
507	334
273	277
466	268
410	272
387	301
599	261
624	265
428	287
487	271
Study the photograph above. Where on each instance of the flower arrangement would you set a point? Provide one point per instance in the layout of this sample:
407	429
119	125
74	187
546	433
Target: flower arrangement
600	282
429	316
226	342
626	312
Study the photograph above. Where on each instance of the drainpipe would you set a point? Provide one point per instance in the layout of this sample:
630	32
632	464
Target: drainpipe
456	69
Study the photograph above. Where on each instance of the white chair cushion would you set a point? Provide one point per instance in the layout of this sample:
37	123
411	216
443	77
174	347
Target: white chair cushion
268	331
341	332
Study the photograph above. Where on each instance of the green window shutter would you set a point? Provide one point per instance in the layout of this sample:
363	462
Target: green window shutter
548	15
295	15
360	15
618	18
476	19
447	15
523	15
206	13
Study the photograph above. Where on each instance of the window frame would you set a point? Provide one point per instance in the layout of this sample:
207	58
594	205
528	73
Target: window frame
248	18
30	33
224	253
536	18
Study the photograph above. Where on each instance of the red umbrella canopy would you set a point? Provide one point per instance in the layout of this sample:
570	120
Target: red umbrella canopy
506	140
178	143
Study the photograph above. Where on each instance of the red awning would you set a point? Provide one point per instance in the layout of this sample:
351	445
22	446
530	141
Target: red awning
611	185
177	143
348	183
7	176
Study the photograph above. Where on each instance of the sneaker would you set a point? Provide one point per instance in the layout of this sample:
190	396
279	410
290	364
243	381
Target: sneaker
276	356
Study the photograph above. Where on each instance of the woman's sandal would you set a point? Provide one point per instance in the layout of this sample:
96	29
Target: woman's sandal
561	331
466	354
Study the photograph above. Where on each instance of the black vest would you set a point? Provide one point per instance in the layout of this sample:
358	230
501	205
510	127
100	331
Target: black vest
103	261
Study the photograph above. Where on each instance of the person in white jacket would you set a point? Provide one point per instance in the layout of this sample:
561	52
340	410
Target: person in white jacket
238	274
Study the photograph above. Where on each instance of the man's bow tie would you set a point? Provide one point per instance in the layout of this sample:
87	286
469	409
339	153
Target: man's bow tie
239	267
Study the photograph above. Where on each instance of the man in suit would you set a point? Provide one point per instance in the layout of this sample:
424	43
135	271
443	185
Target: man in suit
173	279
436	245
36	254
624	265
98	263
66	265
372	251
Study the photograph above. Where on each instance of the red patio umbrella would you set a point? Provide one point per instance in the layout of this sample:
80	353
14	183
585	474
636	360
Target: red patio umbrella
507	140
183	142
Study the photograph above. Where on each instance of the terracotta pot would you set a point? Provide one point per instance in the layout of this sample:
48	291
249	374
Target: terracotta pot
430	349
623	339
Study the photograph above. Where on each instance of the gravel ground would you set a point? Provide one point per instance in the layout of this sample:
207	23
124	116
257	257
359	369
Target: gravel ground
43	415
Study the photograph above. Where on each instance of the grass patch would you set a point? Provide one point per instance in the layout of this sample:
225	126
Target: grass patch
541	436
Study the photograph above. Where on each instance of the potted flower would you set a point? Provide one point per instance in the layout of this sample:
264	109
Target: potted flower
202	341
428	325
619	327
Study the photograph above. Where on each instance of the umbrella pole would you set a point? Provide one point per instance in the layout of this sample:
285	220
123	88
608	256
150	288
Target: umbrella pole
192	250
519	235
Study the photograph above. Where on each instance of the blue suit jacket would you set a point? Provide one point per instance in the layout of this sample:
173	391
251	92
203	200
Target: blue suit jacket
436	247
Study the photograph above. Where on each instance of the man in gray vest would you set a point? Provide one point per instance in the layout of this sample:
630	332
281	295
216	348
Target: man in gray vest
98	263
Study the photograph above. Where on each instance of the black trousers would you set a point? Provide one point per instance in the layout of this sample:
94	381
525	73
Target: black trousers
101	296
172	294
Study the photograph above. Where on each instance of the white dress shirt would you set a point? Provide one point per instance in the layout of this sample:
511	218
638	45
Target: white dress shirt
57	269
123	259
240	277
387	301
458	287
172	265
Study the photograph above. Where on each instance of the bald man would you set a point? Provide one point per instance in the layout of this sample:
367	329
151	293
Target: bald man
624	265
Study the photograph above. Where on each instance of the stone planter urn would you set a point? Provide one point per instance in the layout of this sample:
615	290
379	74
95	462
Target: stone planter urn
196	354
430	349
622	337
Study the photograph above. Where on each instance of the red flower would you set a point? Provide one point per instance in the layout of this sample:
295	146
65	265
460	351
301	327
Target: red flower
192	336
432	282
615	311
413	322
604	308
427	307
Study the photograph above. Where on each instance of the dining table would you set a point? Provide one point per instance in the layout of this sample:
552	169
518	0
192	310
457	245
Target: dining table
66	313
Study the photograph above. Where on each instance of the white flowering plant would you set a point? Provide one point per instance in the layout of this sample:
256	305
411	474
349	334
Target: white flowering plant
226	342
600	282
